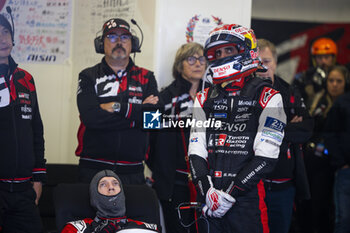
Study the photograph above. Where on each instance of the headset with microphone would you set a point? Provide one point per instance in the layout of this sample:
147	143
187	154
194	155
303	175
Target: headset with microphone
9	11
135	42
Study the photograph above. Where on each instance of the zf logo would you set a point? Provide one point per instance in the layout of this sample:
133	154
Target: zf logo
151	120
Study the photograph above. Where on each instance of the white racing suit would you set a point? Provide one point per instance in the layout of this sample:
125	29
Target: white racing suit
238	153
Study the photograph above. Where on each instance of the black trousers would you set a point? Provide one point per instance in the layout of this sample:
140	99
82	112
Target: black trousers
180	195
319	210
19	213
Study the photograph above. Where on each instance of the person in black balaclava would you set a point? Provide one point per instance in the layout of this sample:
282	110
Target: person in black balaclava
107	197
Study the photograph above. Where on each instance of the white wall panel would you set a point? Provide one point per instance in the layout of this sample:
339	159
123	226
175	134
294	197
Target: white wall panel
172	17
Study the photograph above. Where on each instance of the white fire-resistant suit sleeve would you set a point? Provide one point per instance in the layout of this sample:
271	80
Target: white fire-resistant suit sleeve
266	147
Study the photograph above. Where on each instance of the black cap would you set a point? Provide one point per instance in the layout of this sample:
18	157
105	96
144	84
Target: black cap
115	24
5	23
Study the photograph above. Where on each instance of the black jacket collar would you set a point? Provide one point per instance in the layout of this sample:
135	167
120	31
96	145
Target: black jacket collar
109	70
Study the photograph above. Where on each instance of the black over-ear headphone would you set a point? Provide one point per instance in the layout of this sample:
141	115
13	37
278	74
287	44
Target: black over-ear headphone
12	27
135	42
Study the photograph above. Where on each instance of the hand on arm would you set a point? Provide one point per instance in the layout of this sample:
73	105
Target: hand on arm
151	100
108	107
94	114
296	119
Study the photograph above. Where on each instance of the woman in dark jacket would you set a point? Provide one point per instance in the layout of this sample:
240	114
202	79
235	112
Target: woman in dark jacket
317	157
337	141
168	157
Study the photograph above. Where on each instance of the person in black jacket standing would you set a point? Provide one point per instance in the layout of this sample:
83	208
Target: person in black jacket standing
283	183
22	163
169	158
317	156
111	97
337	138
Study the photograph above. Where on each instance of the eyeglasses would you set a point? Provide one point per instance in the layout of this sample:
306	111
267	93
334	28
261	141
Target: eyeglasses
114	37
192	60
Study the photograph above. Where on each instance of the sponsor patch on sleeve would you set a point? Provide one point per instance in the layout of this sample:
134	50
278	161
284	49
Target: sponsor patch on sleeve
274	123
273	135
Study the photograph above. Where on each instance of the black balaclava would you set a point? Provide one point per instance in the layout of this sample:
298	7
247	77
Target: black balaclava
107	206
6	24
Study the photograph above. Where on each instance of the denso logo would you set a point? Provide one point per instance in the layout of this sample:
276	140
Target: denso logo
221	69
239	127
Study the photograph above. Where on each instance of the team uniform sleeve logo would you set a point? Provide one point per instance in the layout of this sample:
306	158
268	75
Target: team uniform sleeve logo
266	95
202	96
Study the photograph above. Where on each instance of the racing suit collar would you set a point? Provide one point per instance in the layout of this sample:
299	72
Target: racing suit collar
232	88
12	64
120	219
